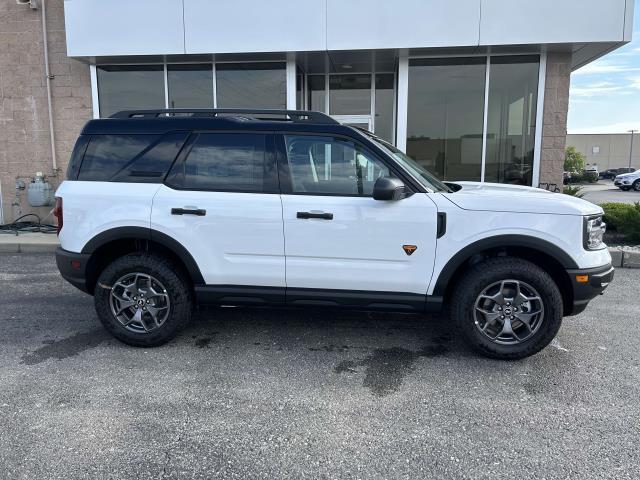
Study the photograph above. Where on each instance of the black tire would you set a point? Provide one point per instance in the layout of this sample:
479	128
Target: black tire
486	273
625	189
636	185
177	289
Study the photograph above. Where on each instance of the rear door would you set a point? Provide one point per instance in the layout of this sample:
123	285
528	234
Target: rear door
342	246
221	202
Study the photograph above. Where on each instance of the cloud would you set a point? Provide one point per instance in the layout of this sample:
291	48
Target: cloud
596	69
622	127
599	89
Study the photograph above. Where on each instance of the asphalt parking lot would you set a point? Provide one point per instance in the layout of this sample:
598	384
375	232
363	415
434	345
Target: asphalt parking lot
296	394
604	191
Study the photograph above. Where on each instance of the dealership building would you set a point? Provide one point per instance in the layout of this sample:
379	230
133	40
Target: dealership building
472	89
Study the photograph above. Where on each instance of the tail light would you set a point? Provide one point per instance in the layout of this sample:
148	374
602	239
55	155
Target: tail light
57	212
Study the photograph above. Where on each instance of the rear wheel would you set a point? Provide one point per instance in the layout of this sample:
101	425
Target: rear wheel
143	300
507	308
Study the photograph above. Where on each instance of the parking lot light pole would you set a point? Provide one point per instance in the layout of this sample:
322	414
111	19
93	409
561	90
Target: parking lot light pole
631	149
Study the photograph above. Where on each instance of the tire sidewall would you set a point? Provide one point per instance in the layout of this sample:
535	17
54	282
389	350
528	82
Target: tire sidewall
165	273
515	269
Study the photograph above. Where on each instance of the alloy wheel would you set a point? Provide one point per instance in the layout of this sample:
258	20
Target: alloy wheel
508	312
139	302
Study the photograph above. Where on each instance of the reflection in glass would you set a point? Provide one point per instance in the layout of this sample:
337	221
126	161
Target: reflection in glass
251	85
316	93
446	116
385	98
127	87
513	93
350	94
190	86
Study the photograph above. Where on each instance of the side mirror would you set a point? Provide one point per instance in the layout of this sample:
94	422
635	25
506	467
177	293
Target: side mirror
387	188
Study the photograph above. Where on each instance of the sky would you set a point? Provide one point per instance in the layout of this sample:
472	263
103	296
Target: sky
605	94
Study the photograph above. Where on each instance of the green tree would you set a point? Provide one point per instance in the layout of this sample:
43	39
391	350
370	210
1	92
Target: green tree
573	160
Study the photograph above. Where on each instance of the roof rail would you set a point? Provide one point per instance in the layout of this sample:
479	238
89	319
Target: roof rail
302	116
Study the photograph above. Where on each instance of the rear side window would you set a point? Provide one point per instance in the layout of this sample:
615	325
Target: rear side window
76	157
108	155
230	162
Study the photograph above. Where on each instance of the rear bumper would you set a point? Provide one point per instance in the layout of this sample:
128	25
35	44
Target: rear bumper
73	268
583	292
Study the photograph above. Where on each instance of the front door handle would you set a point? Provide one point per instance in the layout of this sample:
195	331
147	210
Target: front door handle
200	212
321	215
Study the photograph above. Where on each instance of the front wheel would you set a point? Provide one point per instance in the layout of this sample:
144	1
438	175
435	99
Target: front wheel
507	308
143	300
636	185
625	189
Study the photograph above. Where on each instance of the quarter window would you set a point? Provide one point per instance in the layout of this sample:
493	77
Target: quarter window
225	162
333	166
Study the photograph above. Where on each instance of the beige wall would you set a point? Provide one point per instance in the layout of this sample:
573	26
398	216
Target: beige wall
614	149
556	107
24	121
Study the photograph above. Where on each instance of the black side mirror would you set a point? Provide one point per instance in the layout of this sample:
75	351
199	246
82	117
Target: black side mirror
387	188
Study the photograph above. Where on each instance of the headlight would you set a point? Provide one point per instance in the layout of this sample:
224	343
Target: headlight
594	229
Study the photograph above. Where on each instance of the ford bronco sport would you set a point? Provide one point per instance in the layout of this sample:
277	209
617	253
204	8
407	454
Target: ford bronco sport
165	209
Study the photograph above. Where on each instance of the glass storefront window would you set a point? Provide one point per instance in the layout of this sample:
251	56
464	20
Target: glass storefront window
385	100
129	87
316	93
446	116
350	94
251	85
190	86
513	96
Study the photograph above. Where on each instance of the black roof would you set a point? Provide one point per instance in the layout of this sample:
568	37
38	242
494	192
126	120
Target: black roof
163	121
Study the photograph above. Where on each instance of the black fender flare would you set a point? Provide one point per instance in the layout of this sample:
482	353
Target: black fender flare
141	233
498	241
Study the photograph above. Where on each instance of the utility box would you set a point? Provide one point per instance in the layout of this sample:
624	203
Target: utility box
40	192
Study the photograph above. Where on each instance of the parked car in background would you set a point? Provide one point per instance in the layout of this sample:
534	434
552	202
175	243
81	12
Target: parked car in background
627	181
612	173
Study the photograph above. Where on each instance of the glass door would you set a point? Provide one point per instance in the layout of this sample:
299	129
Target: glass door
358	121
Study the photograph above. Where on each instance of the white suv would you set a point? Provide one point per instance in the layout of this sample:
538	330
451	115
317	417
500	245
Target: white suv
627	181
165	209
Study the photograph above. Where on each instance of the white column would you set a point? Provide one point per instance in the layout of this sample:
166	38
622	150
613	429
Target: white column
486	117
403	102
537	152
95	102
291	81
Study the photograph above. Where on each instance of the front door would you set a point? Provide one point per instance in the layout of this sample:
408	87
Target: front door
342	246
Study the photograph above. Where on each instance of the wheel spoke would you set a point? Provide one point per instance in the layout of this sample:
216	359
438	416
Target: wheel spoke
123	305
153	311
488	315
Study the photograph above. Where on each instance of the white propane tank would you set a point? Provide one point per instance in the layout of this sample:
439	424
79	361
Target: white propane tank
40	193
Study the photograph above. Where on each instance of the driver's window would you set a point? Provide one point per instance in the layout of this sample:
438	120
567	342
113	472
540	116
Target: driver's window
327	165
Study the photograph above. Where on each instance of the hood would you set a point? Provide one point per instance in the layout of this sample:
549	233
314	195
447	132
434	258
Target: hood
627	175
500	197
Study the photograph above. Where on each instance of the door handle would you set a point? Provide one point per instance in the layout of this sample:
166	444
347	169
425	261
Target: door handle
321	215
200	212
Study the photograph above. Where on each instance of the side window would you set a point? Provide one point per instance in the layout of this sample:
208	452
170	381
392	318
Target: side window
327	165
234	162
107	155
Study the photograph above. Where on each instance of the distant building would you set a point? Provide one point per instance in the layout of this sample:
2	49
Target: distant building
607	150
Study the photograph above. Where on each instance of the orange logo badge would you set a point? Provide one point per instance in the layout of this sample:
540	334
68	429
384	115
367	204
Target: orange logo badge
409	249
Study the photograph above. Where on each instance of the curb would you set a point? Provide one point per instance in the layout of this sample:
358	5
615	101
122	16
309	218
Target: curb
625	257
19	246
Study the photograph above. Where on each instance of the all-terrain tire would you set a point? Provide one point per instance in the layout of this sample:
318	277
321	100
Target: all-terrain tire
169	275
482	275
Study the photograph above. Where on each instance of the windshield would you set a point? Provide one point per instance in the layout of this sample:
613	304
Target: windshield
426	178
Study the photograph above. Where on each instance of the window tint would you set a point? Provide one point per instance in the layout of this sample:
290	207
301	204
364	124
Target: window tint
226	162
107	155
326	165
76	157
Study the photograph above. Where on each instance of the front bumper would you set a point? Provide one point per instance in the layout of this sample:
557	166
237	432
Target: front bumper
598	279
73	268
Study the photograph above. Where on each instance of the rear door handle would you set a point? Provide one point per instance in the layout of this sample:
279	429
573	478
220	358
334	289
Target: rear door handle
200	212
321	215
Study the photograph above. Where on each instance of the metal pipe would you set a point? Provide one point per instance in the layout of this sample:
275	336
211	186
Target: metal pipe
632	132
48	77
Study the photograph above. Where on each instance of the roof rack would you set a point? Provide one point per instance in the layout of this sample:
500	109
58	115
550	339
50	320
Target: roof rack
298	116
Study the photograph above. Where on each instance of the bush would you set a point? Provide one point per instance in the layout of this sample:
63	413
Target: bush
623	218
573	191
573	160
584	177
